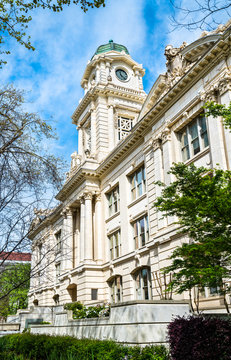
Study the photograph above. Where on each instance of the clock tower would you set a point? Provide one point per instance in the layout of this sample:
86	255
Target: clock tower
113	97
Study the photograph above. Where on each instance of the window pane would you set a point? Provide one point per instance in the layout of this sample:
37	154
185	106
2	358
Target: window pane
140	192
185	153
184	139
133	192
203	131
193	130
196	146
141	225
144	274
139	176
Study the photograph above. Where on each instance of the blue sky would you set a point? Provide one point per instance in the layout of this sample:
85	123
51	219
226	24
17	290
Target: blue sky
64	43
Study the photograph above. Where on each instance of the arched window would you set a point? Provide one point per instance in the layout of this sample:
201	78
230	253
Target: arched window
143	284
116	288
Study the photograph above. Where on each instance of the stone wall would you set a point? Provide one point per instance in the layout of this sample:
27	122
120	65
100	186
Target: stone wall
133	322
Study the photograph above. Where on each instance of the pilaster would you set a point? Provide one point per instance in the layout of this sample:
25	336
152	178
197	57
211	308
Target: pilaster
67	249
82	229
159	176
98	244
88	243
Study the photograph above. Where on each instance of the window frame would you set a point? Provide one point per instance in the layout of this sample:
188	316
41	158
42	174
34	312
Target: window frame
115	245
140	238
122	133
58	237
114	203
138	186
116	293
191	135
57	270
141	289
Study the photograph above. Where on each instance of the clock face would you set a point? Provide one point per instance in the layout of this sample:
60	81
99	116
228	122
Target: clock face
121	74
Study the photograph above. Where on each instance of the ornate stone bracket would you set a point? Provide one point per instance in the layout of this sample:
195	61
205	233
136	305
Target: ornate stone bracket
166	135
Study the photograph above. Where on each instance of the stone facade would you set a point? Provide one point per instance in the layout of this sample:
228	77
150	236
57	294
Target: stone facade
105	242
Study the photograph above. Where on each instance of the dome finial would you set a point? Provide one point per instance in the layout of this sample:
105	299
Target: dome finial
110	46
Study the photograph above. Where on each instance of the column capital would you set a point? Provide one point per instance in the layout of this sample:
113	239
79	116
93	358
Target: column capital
67	211
166	135
98	197
209	93
87	196
225	84
82	200
156	143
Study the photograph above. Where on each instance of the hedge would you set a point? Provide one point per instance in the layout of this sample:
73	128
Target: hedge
200	338
44	347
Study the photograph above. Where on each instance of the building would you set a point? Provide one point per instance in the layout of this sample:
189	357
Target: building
105	242
12	258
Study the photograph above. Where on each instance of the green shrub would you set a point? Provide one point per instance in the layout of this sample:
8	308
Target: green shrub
82	312
43	347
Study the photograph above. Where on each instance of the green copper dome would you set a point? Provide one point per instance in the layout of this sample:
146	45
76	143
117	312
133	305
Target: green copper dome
110	46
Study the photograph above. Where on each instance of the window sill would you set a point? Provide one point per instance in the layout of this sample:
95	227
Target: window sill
112	216
137	200
197	156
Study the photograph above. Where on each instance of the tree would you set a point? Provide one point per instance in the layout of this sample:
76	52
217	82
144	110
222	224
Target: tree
201	200
219	110
27	171
205	14
14	296
15	16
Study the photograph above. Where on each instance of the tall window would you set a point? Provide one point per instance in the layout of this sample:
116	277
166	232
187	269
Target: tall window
113	201
116	289
124	127
58	240
143	284
138	183
58	270
115	245
140	231
194	138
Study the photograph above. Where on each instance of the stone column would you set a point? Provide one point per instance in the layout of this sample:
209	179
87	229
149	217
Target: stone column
88	244
98	244
158	171
80	140
111	127
67	240
82	229
77	238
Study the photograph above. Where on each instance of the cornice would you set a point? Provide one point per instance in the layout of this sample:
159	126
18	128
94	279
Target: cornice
77	178
107	89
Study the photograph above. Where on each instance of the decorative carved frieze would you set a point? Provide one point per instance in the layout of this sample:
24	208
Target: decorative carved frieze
210	93
225	84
